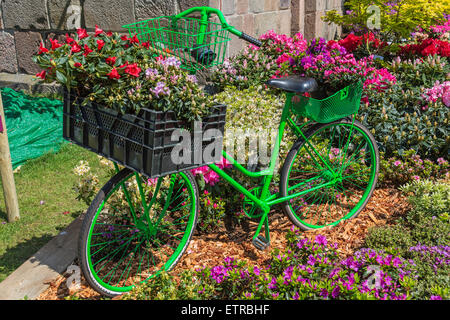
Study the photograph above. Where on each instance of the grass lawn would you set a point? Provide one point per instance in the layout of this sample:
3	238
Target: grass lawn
49	179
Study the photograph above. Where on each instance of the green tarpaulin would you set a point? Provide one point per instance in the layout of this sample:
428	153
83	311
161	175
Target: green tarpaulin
34	125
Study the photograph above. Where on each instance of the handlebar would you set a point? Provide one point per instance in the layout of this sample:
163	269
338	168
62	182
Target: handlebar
250	39
206	13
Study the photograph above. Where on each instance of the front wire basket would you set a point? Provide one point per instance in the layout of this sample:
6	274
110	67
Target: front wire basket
198	44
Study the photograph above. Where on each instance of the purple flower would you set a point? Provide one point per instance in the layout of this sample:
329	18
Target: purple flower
161	89
435	298
335	293
218	273
171	61
324	293
322	240
272	285
151	72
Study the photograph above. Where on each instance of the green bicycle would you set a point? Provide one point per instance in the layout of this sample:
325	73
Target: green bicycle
137	226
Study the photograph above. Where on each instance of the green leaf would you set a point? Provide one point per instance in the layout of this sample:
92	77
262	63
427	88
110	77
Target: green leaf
61	77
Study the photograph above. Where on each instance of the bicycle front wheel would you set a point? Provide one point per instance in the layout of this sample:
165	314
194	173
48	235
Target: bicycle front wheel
135	228
335	169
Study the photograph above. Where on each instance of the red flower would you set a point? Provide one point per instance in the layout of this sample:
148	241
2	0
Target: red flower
76	48
87	50
109	34
100	44
351	42
82	33
125	38
55	44
41	75
432	49
134	39
69	39
114	74
444	49
146	44
42	49
77	64
98	31
111	60
133	69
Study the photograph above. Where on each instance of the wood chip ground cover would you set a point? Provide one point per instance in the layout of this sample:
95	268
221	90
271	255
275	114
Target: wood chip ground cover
209	250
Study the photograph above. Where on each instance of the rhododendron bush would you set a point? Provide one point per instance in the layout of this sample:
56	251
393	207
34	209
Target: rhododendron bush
253	66
121	73
334	68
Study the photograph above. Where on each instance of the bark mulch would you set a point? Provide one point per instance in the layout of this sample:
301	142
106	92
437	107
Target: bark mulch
209	250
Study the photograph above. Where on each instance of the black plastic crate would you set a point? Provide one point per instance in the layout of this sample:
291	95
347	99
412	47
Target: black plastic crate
140	142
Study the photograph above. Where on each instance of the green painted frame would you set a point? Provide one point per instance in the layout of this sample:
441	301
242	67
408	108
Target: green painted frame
267	200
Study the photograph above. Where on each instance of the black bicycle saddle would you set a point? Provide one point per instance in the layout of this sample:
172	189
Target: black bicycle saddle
294	84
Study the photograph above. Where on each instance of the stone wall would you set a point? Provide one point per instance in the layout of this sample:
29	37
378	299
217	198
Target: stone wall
26	23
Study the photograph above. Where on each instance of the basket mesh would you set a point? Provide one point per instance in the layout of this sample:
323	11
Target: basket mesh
198	45
340	105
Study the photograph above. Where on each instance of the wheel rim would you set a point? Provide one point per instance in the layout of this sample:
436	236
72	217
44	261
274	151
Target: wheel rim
125	249
351	175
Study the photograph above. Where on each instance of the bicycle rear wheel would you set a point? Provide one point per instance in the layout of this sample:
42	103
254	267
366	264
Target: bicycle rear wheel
348	179
135	228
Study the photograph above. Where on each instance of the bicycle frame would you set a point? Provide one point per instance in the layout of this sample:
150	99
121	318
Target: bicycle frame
267	200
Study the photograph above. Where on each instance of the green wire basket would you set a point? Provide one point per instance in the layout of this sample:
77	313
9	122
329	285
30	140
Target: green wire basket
343	103
197	43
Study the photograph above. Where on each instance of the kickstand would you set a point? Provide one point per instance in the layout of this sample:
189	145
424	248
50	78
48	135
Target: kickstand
259	241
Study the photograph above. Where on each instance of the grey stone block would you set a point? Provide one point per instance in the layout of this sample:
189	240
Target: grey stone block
64	14
25	14
27	45
108	14
285	4
266	21
187	4
229	7
256	6
146	9
28	83
8	58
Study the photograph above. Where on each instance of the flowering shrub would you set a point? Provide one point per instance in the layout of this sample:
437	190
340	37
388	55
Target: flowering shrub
87	186
210	177
404	117
212	212
365	45
399	170
121	73
253	66
422	235
334	68
440	92
426	47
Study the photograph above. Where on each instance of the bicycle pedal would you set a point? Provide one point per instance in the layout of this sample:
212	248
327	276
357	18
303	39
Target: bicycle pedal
261	243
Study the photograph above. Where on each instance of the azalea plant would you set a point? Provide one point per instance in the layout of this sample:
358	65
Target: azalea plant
121	73
334	68
253	65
